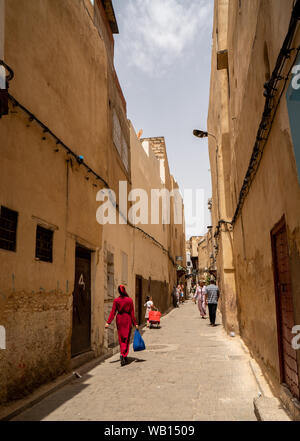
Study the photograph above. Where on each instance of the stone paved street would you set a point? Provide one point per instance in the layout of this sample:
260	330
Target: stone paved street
190	371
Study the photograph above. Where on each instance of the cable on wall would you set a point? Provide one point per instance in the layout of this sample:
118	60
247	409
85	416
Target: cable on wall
81	161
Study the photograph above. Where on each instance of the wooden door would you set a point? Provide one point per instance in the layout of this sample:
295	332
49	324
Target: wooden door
138	299
81	331
285	309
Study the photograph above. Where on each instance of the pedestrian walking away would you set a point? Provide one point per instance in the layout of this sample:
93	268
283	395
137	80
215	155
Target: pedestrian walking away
202	300
174	296
123	305
213	294
182	293
178	295
196	293
193	292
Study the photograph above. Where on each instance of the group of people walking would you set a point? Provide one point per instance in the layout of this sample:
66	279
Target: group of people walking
207	296
124	308
178	295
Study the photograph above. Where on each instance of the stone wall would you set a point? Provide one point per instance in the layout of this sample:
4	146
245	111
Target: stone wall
65	78
253	33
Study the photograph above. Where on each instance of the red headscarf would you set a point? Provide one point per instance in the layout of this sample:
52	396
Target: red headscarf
122	290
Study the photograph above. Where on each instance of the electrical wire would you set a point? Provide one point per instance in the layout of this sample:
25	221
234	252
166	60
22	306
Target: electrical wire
57	139
69	151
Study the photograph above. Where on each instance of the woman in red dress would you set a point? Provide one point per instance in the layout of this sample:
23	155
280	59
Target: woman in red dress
125	319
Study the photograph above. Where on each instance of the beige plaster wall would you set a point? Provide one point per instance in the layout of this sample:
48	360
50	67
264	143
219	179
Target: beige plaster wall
150	261
256	30
63	77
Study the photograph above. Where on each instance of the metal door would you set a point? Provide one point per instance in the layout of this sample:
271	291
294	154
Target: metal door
285	309
81	332
138	299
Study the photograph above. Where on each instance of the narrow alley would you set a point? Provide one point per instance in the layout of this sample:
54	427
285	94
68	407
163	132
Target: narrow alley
189	372
150	159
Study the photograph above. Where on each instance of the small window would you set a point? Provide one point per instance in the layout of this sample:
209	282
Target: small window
119	140
8	229
117	134
125	154
44	242
124	268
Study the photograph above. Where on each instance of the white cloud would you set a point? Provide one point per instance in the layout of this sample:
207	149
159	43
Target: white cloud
155	33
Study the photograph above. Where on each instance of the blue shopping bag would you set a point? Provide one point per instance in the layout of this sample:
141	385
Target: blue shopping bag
138	342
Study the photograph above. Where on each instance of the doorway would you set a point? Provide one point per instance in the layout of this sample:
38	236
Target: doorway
284	308
81	328
138	299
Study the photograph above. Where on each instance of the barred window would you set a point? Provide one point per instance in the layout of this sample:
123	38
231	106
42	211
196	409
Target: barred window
44	244
8	229
125	154
124	267
117	134
119	140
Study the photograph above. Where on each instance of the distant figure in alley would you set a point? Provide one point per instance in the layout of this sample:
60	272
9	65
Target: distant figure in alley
202	299
181	293
196	293
149	307
123	305
178	295
174	296
213	294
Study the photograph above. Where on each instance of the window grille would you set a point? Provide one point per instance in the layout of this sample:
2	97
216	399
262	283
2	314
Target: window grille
120	141
124	268
44	244
8	229
125	154
117	135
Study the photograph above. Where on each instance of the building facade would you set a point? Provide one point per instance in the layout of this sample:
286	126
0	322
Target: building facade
151	272
192	247
65	140
52	144
173	222
254	155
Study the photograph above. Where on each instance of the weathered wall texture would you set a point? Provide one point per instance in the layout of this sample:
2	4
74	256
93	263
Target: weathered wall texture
219	147
194	241
65	77
62	57
175	233
203	255
254	33
151	261
193	246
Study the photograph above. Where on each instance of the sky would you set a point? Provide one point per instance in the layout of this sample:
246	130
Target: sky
162	58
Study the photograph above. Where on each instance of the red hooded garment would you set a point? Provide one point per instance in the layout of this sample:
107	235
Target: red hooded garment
125	319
